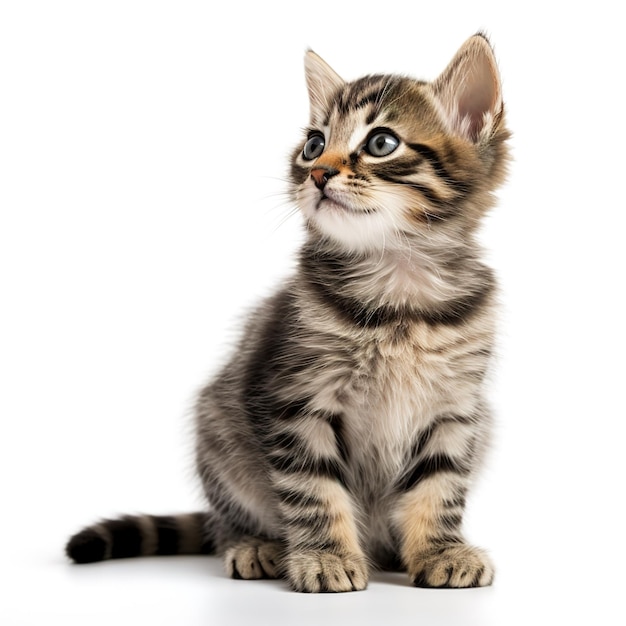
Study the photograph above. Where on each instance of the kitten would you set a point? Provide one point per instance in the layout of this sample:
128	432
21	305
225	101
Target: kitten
350	422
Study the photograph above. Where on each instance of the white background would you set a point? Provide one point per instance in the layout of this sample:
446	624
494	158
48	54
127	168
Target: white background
143	152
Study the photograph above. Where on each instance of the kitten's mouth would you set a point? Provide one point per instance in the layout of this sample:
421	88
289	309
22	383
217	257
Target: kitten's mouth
334	204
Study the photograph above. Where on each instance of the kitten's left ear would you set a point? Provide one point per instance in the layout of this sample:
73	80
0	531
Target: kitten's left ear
470	92
323	83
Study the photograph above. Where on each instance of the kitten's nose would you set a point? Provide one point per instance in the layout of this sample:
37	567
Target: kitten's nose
321	175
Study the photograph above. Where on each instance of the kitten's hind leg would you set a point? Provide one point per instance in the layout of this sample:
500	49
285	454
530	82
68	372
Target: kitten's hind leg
252	558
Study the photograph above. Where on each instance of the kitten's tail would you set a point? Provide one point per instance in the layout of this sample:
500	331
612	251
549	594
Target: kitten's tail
143	535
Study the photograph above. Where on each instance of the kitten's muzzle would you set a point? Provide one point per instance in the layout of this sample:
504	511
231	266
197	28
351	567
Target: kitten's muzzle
320	175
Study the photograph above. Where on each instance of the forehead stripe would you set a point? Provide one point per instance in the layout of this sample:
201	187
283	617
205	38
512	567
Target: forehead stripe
361	93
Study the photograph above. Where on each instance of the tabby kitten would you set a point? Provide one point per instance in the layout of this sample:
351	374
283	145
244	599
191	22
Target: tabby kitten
347	428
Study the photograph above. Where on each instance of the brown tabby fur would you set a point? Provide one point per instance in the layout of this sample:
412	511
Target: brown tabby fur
348	426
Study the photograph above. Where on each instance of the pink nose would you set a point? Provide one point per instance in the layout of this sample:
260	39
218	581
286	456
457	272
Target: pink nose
321	175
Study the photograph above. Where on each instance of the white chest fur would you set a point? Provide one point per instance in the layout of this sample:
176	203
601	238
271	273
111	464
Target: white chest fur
392	386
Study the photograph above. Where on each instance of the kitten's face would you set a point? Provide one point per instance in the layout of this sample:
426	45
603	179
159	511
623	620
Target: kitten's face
387	158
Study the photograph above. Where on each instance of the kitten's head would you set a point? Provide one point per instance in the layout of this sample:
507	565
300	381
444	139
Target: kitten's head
387	158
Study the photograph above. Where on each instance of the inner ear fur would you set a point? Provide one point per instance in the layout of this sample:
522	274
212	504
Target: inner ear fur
469	90
322	82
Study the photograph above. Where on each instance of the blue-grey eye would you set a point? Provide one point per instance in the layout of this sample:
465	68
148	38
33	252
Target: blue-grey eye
381	144
313	147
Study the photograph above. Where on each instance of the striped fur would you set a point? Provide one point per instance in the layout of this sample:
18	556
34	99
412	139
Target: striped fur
142	535
346	430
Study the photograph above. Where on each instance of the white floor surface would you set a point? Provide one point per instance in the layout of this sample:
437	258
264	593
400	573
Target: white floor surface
142	208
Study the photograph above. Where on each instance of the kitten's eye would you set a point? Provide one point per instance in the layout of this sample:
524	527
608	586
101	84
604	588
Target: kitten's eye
381	144
313	147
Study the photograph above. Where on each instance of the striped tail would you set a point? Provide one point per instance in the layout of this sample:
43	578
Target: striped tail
142	535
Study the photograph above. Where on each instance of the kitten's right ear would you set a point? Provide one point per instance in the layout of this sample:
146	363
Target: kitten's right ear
323	83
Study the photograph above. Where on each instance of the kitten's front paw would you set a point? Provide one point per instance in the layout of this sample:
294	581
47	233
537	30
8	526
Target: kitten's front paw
452	566
315	572
253	558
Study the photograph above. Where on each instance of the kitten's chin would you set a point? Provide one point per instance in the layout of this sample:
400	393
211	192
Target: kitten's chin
351	230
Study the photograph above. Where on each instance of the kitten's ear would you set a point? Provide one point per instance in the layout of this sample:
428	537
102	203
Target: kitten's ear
322	82
469	90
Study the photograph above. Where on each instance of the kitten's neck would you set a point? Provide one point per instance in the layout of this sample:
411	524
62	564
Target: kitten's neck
425	276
